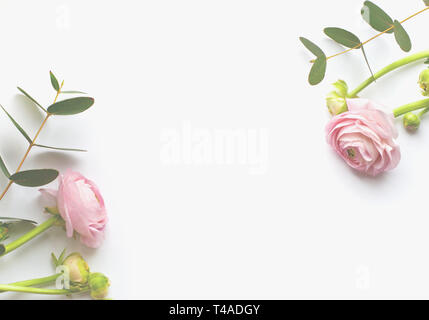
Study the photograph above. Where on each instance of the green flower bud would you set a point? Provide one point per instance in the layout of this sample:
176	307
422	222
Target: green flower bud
99	285
411	122
4	232
336	100
424	82
78	268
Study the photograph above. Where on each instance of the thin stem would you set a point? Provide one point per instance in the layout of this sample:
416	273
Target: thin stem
33	142
5	249
411	107
376	36
389	68
12	288
423	112
36	282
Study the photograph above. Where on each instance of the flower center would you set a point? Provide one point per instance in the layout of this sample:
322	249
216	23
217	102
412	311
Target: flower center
351	153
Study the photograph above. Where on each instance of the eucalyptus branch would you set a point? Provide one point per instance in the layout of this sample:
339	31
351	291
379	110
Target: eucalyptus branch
33	142
41	177
374	37
378	19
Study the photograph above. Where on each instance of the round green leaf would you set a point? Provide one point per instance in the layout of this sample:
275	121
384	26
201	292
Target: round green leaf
318	71
402	37
343	37
34	178
376	17
71	106
312	47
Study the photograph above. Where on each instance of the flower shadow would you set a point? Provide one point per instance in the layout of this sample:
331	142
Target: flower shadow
54	159
31	111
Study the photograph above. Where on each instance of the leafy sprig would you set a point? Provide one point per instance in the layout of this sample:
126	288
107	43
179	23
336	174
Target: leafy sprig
71	106
378	19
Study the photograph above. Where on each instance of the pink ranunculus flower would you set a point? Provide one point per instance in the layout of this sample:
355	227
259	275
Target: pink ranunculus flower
364	136
81	205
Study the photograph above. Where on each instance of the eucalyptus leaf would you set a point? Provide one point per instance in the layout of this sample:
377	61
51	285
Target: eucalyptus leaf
20	129
347	39
10	220
71	106
34	178
31	98
54	82
367	62
60	149
402	37
4	168
343	37
427	61
312	47
376	17
318	71
73	92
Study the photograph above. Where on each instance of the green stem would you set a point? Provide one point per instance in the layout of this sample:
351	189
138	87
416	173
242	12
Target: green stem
8	287
422	104
389	68
5	249
423	112
36	282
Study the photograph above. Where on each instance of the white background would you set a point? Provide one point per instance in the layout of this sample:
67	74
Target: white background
306	227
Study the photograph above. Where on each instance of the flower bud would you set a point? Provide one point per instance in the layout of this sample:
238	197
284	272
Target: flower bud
78	268
411	122
424	82
99	285
336	100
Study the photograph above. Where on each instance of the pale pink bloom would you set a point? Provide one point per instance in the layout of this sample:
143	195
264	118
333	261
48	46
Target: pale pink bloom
81	206
364	137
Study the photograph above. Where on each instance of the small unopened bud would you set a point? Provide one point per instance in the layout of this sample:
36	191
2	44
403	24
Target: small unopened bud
78	268
424	82
336	100
411	122
99	285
